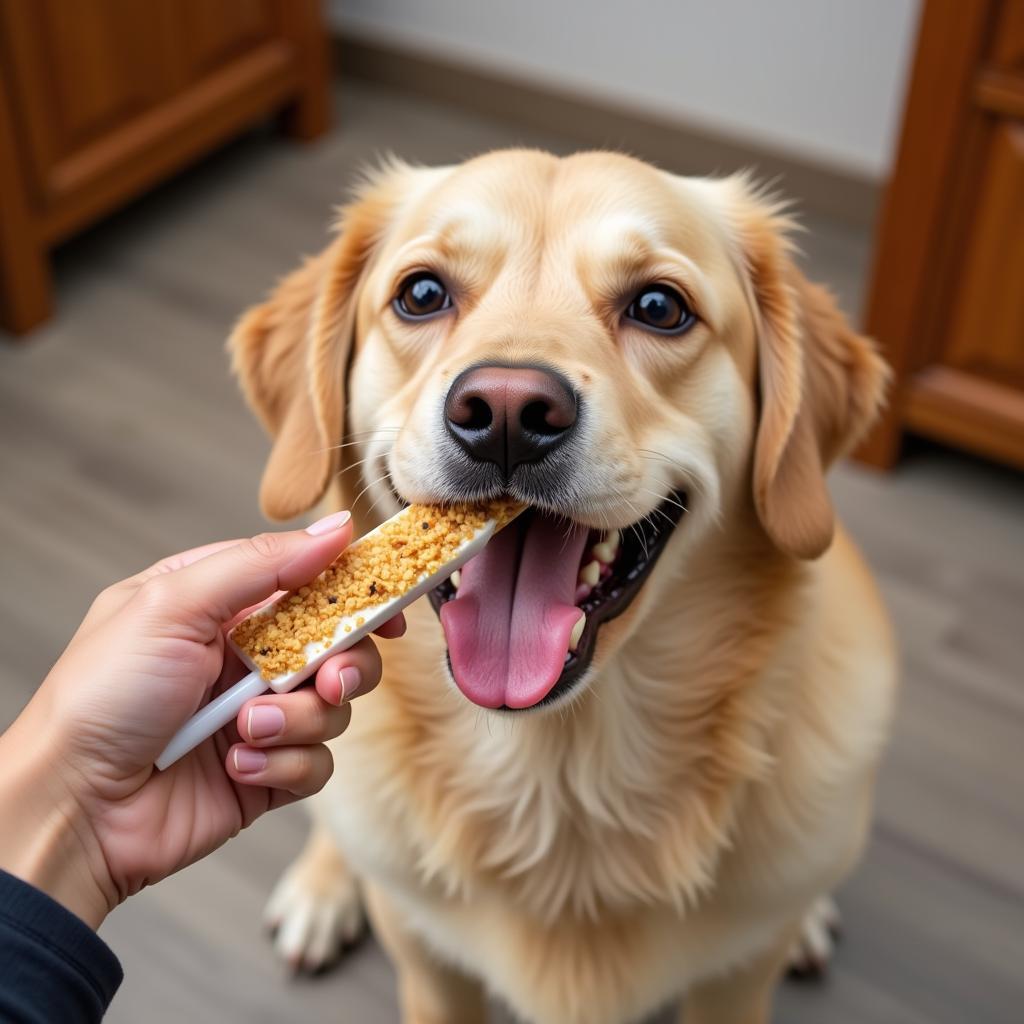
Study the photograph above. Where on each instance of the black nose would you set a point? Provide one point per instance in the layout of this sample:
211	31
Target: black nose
509	415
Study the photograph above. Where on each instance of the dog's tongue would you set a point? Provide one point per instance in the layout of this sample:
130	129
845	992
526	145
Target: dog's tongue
508	628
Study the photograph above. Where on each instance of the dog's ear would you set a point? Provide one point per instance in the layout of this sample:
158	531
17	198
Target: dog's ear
820	383
291	354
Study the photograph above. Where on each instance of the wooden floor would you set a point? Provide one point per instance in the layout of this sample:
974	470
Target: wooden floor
124	439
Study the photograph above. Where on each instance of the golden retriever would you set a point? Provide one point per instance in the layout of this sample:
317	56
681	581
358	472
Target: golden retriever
584	818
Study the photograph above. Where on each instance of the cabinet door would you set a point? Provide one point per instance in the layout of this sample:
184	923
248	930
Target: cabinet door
90	78
1006	50
983	333
947	295
78	70
986	328
210	35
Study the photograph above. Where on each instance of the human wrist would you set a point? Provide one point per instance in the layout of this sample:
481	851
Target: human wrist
47	840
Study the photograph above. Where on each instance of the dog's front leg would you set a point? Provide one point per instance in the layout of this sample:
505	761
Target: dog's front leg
743	996
315	910
430	992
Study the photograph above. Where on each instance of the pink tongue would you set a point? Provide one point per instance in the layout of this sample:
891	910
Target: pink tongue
508	628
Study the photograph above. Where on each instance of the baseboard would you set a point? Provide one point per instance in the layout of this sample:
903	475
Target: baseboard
587	123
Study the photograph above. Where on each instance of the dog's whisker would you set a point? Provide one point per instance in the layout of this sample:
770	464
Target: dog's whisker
373	483
354	443
567	536
339	447
354	465
340	475
664	515
379	497
672	462
668	500
633	526
640	539
374	430
664	457
363	434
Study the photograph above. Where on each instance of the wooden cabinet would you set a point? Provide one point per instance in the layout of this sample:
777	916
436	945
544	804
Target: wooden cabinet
947	292
100	99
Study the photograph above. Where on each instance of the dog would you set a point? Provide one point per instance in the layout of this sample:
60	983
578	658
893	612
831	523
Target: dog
584	817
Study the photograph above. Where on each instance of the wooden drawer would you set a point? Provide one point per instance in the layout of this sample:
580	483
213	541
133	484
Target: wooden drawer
947	296
97	84
76	71
99	99
1006	42
986	327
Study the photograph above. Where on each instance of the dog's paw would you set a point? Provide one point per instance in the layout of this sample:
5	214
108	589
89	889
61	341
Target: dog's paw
812	950
315	916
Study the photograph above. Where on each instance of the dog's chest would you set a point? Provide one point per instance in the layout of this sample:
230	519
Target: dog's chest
613	969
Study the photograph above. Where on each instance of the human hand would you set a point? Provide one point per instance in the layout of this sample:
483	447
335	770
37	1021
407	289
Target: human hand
87	818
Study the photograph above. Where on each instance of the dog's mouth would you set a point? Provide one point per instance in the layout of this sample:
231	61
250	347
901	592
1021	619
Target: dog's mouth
522	618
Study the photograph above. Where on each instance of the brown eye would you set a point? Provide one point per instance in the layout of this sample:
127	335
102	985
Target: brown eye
662	309
420	296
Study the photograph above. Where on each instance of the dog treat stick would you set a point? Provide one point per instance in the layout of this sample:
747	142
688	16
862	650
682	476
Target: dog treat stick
289	638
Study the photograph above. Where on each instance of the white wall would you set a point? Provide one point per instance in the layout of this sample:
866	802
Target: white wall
821	79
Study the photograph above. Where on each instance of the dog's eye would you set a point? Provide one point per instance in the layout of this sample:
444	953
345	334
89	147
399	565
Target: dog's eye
662	309
421	295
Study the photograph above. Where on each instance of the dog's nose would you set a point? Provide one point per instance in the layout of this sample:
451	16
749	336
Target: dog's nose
509	415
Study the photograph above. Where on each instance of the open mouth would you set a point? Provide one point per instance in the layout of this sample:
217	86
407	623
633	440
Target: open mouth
521	619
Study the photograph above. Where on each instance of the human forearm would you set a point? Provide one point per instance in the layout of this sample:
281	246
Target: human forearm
45	839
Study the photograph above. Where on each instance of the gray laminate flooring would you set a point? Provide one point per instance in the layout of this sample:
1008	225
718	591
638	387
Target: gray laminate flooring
124	439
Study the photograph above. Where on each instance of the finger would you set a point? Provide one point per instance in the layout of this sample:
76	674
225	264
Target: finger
393	628
349	674
291	719
301	771
113	598
215	588
183	558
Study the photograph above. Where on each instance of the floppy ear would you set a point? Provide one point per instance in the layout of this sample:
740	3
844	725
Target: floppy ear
291	353
820	384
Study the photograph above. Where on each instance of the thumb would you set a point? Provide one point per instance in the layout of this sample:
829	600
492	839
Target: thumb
215	588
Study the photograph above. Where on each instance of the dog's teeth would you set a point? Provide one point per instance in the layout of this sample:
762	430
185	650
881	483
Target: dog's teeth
577	631
590	574
608	548
456	578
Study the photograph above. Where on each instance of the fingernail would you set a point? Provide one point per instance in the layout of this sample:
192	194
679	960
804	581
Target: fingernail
350	678
334	521
248	762
265	721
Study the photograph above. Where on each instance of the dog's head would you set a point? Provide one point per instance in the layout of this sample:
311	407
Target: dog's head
632	354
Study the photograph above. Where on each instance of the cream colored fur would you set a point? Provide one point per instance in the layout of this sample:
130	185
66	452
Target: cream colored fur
663	832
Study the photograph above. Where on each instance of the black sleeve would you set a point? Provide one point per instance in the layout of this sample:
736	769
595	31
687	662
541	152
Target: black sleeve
53	966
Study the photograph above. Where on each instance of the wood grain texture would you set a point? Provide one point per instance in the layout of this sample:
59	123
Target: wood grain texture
125	439
102	99
24	268
308	115
914	215
986	327
946	285
1007	45
967	410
